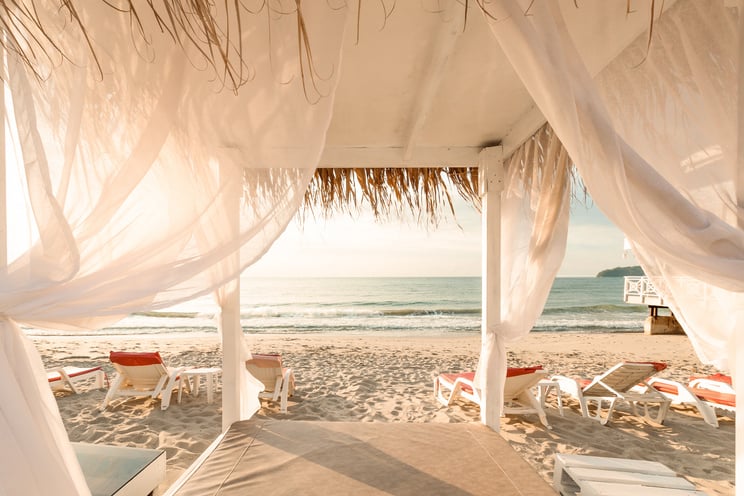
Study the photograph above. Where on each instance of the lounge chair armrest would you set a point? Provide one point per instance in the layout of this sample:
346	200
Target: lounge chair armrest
174	372
287	374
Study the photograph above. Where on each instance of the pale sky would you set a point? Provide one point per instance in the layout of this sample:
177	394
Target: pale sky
360	247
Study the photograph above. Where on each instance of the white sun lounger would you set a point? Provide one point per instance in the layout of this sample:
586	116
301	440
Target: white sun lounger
618	384
278	381
602	476
61	378
144	374
518	396
705	394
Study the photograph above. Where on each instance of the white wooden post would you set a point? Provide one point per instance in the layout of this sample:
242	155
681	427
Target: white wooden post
231	353
491	184
229	321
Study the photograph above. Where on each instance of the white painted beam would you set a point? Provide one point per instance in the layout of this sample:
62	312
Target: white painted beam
394	156
442	48
522	130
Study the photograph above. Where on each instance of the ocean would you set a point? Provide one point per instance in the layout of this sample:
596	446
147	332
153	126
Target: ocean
401	306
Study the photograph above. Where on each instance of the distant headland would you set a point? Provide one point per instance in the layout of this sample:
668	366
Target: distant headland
634	270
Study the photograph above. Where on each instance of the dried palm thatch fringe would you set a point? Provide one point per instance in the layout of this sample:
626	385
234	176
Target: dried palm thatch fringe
391	192
426	193
213	29
541	154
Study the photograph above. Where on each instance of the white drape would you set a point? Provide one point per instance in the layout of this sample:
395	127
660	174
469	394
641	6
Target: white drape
122	184
655	142
534	225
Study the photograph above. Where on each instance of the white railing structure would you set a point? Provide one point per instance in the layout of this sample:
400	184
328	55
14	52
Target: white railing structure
641	291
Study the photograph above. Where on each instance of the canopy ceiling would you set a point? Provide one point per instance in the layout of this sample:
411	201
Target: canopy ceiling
424	87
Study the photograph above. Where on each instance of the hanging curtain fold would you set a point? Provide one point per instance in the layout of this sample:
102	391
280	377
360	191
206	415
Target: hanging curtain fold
126	170
534	226
654	138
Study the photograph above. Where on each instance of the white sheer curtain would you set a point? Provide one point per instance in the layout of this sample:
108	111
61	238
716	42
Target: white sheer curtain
122	181
655	142
534	225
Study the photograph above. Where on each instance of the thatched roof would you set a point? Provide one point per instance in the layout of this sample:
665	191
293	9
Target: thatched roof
211	28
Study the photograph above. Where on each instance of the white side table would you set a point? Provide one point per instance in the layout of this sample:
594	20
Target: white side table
210	378
544	388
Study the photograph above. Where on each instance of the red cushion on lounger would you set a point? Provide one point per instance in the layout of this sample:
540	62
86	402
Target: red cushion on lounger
515	371
715	396
470	376
453	377
135	359
266	360
84	371
716	377
666	388
659	366
583	382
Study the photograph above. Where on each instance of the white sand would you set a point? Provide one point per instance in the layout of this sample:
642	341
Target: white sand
389	379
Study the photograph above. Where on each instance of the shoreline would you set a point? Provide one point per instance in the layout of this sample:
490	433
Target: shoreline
383	378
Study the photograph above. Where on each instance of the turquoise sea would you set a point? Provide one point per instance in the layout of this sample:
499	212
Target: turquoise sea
410	306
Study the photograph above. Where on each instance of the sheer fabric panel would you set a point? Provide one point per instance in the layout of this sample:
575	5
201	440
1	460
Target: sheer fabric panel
534	226
124	162
655	142
679	211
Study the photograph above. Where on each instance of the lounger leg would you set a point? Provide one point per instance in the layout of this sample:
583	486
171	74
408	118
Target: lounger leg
454	393
164	391
597	415
285	393
113	388
67	380
277	388
528	398
285	390
100	378
660	414
439	394
708	412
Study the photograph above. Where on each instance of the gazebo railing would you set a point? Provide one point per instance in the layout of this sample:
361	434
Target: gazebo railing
641	291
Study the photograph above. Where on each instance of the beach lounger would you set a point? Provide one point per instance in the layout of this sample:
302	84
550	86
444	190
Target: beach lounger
62	378
704	393
518	396
278	381
597	475
620	383
143	374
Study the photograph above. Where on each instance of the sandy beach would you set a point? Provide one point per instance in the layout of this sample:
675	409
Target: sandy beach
389	379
